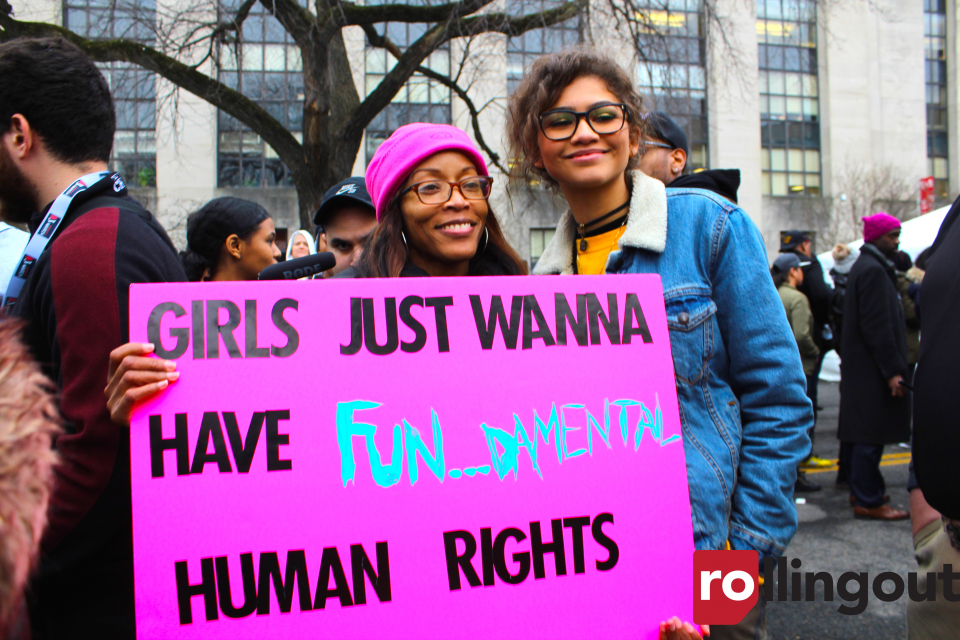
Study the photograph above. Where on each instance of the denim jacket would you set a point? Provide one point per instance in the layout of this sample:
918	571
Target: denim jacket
743	409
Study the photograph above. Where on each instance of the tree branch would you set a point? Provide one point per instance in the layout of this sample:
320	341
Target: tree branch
220	31
389	45
510	26
363	15
471	107
407	64
410	60
298	21
219	95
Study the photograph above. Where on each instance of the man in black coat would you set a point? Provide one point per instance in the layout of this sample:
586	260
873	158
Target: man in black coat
874	407
819	294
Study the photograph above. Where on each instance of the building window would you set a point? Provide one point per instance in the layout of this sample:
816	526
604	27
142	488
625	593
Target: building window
420	99
935	32
525	48
789	103
133	89
673	72
265	67
539	239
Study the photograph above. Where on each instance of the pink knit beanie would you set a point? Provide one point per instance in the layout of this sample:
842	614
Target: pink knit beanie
878	225
409	146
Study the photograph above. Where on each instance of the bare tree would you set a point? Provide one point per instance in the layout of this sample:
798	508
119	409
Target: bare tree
189	43
334	116
861	190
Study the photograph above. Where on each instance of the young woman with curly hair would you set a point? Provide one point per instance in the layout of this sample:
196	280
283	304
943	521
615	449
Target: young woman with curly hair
577	124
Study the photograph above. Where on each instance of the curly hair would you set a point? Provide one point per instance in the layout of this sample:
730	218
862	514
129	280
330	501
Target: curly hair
541	87
28	423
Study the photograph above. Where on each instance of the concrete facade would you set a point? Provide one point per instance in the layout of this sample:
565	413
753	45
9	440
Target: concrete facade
872	113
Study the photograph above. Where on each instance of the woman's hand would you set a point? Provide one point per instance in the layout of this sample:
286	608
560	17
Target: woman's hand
675	629
133	378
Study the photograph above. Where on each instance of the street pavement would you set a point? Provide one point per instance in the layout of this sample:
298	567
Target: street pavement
830	539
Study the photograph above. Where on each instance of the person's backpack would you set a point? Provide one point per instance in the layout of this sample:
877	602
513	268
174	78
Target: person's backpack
836	307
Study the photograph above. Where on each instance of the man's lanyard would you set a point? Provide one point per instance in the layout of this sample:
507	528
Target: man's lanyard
48	227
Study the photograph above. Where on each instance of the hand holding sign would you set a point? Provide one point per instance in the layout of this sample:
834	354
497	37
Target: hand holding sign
133	378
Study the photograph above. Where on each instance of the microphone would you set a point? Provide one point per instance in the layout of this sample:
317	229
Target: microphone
299	268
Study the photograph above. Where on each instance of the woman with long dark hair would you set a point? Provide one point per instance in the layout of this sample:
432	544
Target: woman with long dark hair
229	239
430	186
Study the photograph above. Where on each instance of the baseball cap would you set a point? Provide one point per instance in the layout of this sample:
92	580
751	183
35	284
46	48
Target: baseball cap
667	130
785	262
792	239
350	191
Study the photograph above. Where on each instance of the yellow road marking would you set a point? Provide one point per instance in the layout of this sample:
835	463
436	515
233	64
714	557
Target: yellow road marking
889	460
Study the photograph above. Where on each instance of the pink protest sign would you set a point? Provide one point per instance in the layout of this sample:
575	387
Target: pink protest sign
410	458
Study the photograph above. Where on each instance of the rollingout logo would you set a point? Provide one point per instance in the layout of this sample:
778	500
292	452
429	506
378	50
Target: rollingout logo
46	229
726	586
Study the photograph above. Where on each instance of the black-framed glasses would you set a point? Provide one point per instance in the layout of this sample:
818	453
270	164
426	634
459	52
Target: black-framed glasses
561	124
440	191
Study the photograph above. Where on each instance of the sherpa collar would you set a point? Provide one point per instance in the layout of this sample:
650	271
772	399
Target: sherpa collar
646	227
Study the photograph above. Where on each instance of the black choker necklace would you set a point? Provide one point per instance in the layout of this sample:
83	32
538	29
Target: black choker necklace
582	227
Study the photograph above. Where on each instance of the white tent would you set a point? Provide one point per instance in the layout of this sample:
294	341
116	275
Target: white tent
915	236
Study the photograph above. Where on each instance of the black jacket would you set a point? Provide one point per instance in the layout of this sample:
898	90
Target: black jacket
723	182
75	302
874	350
936	413
819	294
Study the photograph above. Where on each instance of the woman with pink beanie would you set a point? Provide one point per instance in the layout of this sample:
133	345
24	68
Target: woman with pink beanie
430	186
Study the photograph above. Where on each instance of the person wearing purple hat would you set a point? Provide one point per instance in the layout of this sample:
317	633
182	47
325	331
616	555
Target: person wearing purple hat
874	405
430	185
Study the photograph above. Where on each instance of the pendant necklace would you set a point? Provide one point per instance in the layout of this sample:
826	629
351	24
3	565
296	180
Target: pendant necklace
581	227
612	244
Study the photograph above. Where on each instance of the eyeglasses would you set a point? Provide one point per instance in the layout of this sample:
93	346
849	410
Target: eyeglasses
440	191
561	124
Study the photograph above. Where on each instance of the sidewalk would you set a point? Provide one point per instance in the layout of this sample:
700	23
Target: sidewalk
830	539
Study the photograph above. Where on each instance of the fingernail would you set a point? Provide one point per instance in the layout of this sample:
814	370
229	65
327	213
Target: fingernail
148	346
169	365
173	376
163	384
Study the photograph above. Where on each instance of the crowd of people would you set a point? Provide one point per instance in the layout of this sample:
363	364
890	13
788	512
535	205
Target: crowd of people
872	319
745	374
